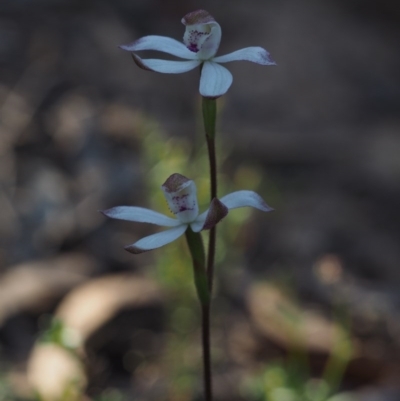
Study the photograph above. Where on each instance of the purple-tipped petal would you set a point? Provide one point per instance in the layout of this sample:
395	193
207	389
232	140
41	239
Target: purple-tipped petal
161	44
210	217
140	215
245	198
157	240
165	66
254	54
215	80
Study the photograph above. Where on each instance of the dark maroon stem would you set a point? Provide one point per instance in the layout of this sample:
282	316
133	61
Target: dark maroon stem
209	116
213	231
206	352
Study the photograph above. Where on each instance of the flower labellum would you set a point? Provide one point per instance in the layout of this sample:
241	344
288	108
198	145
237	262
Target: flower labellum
180	193
200	45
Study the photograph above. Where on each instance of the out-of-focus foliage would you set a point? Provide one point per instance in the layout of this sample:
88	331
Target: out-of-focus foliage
291	379
280	382
110	395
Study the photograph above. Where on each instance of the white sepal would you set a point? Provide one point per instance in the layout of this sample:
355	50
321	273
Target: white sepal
140	215
165	66
215	80
254	54
245	198
161	44
157	240
198	224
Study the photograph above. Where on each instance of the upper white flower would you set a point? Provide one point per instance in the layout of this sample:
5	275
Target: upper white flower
201	42
180	193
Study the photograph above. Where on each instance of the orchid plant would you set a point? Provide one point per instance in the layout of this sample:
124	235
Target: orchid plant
181	195
200	45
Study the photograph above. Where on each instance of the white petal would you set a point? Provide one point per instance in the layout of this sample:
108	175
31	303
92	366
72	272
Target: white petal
245	198
157	240
140	215
215	80
161	44
198	224
254	54
165	66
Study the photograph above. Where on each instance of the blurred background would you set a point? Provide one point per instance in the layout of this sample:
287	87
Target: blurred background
307	297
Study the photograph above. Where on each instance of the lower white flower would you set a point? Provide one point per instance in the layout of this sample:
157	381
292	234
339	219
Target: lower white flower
201	42
180	193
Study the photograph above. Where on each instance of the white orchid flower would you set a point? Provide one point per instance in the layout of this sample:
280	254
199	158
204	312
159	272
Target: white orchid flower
180	193
201	42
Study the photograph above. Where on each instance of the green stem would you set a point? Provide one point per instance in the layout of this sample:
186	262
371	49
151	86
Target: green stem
196	247
209	115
